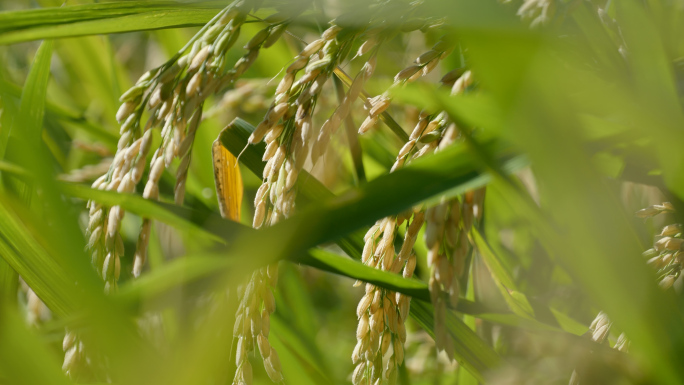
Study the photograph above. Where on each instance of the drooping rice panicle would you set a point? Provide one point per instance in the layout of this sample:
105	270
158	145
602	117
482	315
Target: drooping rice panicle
382	312
422	66
287	126
252	326
173	94
430	134
287	130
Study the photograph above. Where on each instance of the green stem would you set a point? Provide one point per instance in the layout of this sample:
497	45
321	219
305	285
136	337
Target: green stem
354	145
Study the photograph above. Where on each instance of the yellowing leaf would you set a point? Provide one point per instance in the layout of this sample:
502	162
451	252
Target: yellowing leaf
228	181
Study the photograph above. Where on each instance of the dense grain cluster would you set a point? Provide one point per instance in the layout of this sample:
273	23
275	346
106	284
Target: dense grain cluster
381	332
287	126
252	326
666	256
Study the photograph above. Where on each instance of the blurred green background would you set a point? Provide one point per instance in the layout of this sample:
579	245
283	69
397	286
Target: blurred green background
572	124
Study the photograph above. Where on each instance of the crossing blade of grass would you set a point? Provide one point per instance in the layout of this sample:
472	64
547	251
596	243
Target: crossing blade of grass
181	218
336	264
337	217
426	175
195	223
331	262
201	274
197	274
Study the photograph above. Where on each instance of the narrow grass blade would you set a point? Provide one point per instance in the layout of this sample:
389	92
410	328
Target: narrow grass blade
28	127
178	217
130	23
21	19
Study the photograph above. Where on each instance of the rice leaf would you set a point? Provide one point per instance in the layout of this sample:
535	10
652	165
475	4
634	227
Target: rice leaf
97	19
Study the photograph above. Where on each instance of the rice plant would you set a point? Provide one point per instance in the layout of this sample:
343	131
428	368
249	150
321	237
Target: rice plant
333	192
